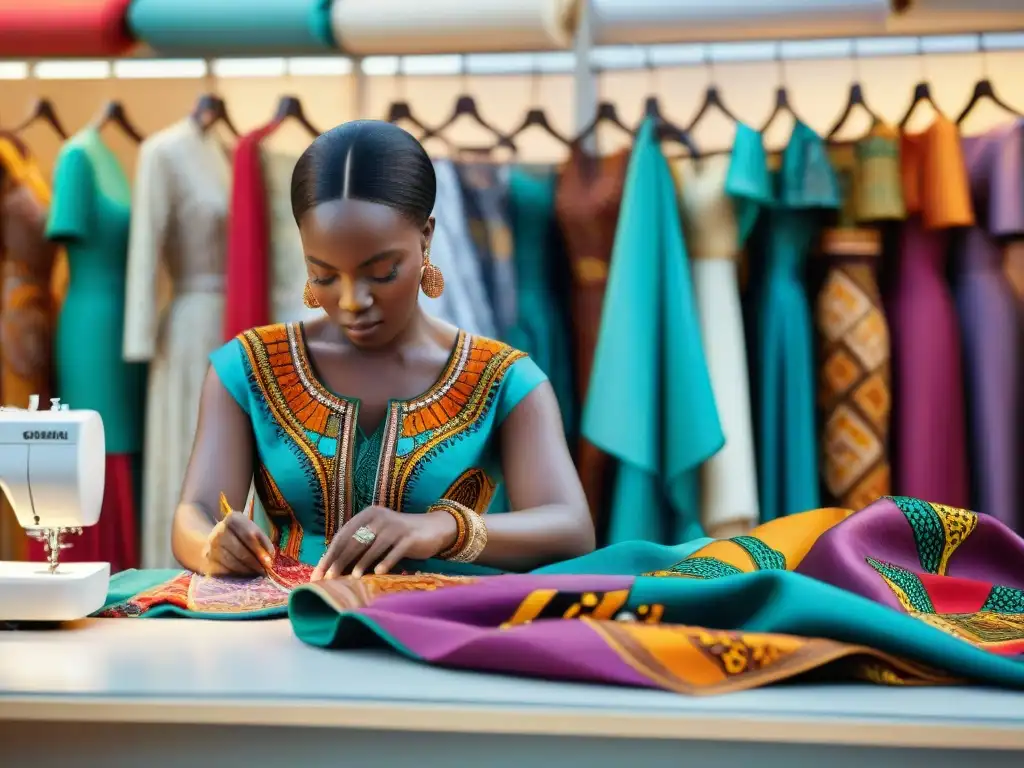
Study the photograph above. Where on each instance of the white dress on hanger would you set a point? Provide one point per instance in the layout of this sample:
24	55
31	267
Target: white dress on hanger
729	501
179	209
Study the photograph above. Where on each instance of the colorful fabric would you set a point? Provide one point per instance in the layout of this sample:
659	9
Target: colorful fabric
55	28
316	469
650	403
89	214
901	593
233	27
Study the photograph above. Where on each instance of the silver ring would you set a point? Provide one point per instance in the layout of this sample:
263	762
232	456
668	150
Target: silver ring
364	536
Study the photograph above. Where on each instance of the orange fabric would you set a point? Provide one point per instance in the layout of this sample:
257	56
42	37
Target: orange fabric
934	176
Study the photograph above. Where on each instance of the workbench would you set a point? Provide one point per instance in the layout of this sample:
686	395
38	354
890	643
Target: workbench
156	693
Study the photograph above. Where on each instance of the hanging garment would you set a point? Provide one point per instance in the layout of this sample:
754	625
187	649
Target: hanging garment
805	190
854	354
587	200
485	195
27	306
233	27
247	300
650	403
721	197
901	592
990	323
929	433
542	329
381	27
464	302
90	214
54	28
179	210
287	260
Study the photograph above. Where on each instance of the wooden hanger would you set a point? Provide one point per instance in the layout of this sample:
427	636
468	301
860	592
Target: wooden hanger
465	106
113	113
922	93
399	110
983	89
289	107
209	110
536	117
43	110
712	98
782	103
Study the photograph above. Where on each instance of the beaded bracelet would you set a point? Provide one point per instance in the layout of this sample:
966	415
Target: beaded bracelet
471	532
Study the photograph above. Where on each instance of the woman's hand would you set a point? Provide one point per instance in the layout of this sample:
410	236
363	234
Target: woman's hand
237	547
395	536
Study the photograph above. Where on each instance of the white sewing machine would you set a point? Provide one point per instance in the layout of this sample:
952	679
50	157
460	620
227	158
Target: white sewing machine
52	469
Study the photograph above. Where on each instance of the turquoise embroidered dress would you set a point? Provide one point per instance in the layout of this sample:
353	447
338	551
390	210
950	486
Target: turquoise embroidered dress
805	186
315	469
650	402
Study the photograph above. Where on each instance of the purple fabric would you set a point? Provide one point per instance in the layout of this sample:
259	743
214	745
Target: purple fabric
991	554
990	321
466	632
930	457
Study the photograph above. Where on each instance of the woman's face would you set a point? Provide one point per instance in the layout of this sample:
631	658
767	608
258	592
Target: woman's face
364	262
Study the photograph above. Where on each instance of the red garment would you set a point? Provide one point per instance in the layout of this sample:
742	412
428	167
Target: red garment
39	28
248	269
114	538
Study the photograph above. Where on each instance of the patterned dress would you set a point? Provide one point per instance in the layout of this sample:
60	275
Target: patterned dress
854	377
316	468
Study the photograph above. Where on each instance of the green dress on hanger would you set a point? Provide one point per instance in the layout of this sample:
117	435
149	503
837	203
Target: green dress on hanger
805	187
650	403
541	329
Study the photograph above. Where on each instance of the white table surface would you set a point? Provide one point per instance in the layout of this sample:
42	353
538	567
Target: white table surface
175	671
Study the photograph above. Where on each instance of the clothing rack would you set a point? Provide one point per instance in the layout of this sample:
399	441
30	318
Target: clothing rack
585	62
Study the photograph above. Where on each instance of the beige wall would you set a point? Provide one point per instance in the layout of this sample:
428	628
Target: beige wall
818	90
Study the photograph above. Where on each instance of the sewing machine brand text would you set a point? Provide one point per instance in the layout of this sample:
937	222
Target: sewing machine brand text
44	434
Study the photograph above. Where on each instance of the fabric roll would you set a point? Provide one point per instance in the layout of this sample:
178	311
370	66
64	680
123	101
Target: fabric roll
397	27
43	28
631	22
221	27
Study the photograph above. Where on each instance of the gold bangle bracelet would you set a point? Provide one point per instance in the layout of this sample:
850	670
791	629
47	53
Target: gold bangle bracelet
471	538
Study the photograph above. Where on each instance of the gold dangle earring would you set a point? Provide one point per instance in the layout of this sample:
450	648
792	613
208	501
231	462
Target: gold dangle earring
431	279
308	298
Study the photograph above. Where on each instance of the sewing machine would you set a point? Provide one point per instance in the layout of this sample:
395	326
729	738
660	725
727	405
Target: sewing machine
52	466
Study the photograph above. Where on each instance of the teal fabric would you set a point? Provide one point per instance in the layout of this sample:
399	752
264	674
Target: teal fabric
650	403
804	188
622	559
541	329
90	214
232	27
295	476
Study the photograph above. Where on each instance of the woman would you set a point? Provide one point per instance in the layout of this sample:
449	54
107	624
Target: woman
376	433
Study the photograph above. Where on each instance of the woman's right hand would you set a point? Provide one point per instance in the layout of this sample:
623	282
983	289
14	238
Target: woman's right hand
237	547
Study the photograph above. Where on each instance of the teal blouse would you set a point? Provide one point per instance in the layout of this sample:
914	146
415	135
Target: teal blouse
90	215
315	469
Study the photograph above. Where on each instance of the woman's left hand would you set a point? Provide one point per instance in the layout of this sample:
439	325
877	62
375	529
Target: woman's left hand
395	536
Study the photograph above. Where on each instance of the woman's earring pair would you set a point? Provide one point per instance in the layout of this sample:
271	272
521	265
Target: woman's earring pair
431	279
308	298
